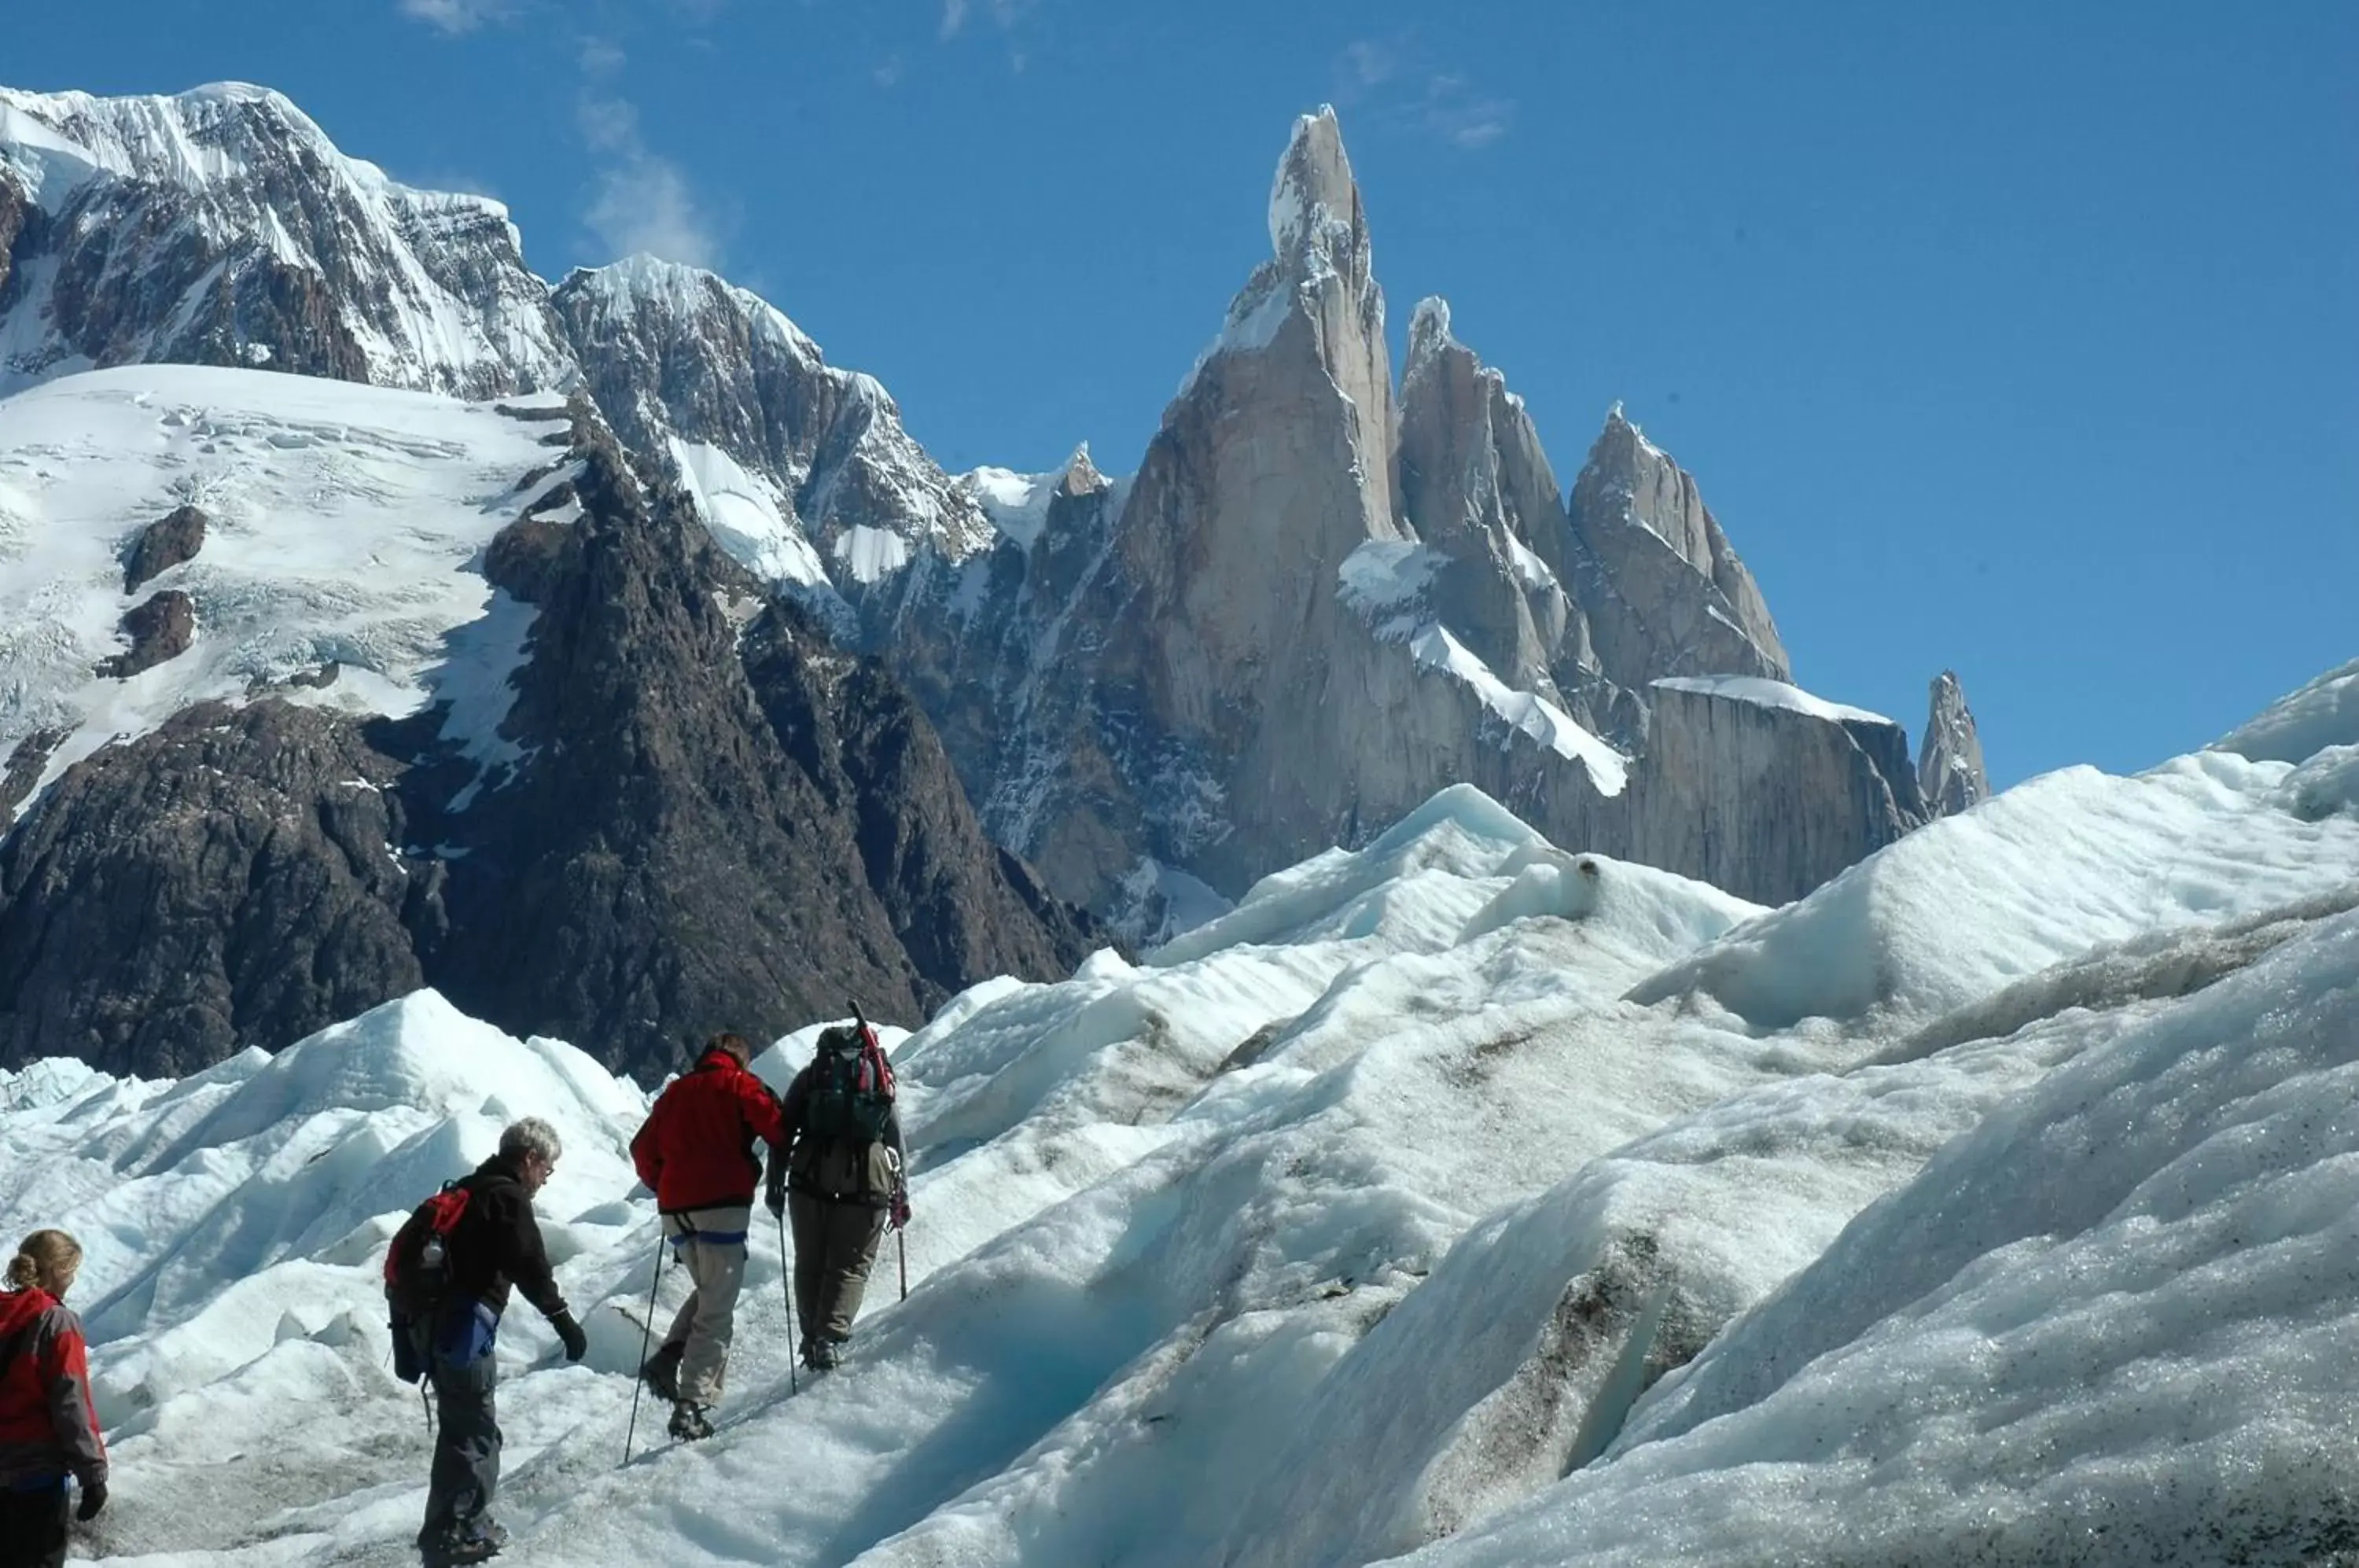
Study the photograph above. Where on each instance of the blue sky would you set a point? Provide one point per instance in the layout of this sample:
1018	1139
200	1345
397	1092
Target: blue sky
2022	339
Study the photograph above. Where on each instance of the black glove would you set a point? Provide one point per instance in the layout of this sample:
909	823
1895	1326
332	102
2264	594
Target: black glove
577	1344
93	1497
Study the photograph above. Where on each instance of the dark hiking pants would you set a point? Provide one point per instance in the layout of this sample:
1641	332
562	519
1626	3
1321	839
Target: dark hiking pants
466	1470
834	1245
33	1527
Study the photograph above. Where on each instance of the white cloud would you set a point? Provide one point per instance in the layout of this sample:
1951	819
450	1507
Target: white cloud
1398	82
644	204
455	15
1463	117
640	201
887	75
1369	62
1005	15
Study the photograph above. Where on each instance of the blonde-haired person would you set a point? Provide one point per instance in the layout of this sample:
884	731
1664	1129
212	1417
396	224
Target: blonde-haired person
49	1428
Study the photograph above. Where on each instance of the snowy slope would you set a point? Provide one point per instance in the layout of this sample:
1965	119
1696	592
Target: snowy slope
1426	1175
347	525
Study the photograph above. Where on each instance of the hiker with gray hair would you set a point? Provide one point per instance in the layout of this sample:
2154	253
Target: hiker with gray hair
494	1244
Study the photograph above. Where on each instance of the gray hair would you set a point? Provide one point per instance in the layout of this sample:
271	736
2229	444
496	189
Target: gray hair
530	1135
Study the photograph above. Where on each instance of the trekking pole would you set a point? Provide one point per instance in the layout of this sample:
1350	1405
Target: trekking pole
646	1333
794	1329
901	1239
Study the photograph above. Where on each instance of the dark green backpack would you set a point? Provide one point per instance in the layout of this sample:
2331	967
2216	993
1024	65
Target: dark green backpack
851	1087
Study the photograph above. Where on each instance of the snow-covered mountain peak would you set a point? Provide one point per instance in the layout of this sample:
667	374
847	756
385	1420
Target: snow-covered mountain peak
671	291
259	243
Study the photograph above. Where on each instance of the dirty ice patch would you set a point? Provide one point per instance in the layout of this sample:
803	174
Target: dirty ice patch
346	524
2117	1320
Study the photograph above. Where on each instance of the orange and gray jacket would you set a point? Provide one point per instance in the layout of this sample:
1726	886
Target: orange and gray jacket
48	1427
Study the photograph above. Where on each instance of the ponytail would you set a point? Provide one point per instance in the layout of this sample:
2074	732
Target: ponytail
45	1258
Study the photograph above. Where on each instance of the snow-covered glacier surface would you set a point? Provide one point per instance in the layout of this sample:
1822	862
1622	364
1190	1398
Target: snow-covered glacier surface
1461	1196
345	528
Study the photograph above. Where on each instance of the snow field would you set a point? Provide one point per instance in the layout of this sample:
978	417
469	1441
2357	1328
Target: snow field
1372	1209
346	525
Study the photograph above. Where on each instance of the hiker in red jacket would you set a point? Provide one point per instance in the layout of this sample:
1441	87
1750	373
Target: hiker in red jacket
49	1428
696	1153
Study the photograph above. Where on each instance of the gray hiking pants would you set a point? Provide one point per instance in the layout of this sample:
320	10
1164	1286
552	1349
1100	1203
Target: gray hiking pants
835	1244
466	1471
710	1245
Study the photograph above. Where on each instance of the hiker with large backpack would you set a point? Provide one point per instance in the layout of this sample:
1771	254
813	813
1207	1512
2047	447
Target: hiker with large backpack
696	1153
448	1274
49	1428
843	1182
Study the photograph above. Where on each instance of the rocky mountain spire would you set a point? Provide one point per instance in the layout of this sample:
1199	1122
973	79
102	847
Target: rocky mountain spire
1671	597
1950	763
1476	487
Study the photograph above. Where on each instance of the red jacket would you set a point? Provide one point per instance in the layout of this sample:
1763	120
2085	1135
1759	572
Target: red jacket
48	1425
697	1149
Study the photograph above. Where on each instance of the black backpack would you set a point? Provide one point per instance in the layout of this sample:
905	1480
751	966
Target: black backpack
851	1087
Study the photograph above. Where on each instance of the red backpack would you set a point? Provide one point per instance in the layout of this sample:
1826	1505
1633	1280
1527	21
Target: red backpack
417	1263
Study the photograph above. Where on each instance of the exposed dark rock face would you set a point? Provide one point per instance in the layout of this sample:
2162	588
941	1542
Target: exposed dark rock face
704	838
167	542
26	761
160	629
13	209
1949	762
961	907
232	879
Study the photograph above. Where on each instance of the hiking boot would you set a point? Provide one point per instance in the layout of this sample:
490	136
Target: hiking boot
481	1546
825	1354
661	1374
689	1423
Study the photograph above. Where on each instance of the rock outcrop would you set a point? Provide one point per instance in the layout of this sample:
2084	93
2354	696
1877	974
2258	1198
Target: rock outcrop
1950	770
1761	789
221	227
1668	596
160	627
171	541
232	879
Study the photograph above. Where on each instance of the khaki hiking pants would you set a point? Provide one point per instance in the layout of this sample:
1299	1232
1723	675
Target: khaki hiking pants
710	1245
835	1243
